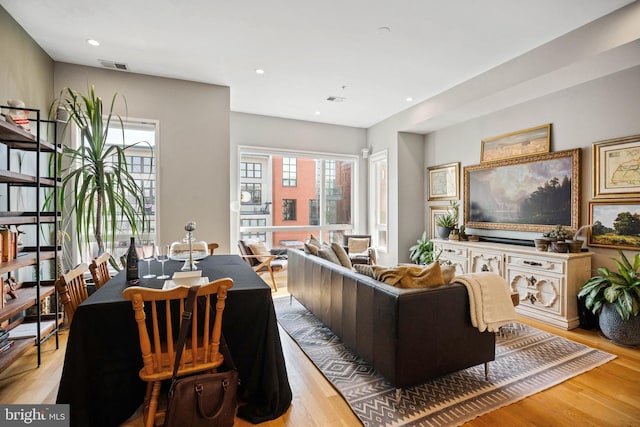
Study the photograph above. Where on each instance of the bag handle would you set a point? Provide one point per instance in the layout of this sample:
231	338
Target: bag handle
185	323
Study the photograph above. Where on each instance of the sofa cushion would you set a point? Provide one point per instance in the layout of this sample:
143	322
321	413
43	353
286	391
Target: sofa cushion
410	276
312	249
365	269
342	255
327	253
448	273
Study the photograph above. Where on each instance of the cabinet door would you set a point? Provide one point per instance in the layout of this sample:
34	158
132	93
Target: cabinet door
538	292
486	262
454	255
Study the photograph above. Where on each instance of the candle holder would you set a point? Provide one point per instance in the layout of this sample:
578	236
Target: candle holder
189	264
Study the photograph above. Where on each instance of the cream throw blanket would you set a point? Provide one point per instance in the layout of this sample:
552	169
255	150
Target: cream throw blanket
489	299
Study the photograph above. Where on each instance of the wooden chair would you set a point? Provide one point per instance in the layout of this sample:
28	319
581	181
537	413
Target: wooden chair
262	262
358	246
212	247
99	268
158	346
72	290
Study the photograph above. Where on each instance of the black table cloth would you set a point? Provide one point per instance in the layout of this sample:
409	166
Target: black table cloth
100	374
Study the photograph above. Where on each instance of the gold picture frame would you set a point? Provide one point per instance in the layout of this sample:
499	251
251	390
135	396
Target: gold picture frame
606	231
527	142
444	182
531	193
434	213
616	168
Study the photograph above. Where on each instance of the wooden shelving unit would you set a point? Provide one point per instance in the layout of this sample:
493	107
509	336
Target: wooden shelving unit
33	292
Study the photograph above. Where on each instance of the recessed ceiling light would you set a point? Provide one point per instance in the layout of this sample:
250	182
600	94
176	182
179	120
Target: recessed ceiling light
383	30
259	71
93	42
409	99
317	113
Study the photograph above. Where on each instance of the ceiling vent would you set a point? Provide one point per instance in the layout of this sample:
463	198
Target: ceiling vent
114	65
336	99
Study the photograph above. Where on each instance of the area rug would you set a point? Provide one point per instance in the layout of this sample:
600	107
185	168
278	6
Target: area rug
528	360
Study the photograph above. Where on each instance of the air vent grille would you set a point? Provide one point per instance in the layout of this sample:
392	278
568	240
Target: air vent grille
336	99
114	65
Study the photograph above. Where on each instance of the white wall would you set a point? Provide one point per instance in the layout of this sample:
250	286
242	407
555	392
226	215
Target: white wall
272	132
193	152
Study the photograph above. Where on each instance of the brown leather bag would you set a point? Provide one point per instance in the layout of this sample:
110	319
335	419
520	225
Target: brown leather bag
203	400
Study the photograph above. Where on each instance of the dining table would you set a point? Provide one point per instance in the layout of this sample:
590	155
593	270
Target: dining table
100	378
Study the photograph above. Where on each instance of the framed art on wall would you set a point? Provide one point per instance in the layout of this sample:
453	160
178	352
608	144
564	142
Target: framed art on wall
526	142
616	168
444	181
614	224
530	193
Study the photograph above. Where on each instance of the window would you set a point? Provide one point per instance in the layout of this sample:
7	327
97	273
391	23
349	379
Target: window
322	182
250	170
314	214
253	222
378	196
289	172
254	192
288	210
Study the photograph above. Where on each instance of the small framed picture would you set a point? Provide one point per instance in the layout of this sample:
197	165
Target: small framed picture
616	168
444	181
614	224
516	144
434	213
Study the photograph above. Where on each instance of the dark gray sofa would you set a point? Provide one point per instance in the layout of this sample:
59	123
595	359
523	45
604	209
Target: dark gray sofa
408	335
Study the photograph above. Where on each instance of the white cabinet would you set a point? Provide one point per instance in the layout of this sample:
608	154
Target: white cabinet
547	283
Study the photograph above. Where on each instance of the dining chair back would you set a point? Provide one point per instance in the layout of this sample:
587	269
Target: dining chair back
211	247
99	268
72	290
159	336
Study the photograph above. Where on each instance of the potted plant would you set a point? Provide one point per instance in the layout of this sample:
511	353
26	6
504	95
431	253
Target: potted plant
447	222
615	297
422	251
557	237
97	190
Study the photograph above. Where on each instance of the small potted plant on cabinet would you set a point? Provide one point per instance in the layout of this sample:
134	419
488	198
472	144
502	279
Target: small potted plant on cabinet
615	297
447	222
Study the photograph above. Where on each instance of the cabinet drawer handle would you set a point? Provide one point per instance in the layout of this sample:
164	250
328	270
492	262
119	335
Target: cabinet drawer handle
533	263
450	250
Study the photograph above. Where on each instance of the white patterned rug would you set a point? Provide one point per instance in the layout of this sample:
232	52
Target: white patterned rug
528	360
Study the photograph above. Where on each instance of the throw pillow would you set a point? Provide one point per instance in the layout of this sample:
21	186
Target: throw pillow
327	253
448	273
313	241
407	276
258	248
342	255
312	249
357	245
365	269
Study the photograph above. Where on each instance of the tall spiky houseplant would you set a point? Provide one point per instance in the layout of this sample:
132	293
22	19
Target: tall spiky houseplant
97	191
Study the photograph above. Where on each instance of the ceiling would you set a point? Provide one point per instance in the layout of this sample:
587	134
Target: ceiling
372	53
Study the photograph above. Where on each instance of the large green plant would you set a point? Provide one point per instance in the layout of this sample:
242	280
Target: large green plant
422	251
97	189
620	288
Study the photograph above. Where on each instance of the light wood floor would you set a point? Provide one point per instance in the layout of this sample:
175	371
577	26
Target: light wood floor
605	396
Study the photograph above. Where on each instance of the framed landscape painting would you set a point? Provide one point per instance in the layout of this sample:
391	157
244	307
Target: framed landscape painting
616	168
614	224
526	142
530	193
444	181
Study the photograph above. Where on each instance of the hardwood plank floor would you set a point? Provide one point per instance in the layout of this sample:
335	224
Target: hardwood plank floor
605	396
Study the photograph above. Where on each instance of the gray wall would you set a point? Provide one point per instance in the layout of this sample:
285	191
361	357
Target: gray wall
605	108
193	150
26	71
